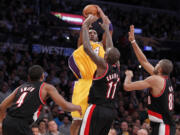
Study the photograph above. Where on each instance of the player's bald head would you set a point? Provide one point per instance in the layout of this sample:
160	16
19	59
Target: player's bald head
112	55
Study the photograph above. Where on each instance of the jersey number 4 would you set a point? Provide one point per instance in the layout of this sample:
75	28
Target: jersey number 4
111	87
20	101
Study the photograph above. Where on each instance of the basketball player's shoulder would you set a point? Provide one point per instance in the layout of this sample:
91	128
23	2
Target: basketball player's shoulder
151	78
47	86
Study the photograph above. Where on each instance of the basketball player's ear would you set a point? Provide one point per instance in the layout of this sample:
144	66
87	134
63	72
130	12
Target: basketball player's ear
42	77
159	69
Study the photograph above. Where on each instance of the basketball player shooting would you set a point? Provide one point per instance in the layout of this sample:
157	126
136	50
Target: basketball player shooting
161	93
84	68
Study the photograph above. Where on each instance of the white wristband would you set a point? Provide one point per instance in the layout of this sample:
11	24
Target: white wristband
134	41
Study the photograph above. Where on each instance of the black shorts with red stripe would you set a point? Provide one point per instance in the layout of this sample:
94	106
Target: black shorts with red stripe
162	129
97	120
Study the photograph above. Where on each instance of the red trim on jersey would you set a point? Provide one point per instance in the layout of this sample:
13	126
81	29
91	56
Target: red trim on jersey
39	111
165	76
40	92
167	129
162	91
97	78
154	114
86	132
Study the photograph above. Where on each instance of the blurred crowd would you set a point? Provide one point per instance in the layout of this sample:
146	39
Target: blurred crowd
29	22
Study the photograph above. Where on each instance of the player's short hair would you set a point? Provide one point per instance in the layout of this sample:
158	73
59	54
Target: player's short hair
166	66
35	72
113	56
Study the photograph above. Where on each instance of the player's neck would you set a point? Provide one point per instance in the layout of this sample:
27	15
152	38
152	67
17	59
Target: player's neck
163	76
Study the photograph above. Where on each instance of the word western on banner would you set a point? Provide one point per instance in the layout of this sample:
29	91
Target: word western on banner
38	48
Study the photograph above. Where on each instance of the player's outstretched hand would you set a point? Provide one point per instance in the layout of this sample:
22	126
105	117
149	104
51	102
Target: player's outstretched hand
129	73
89	20
131	33
105	24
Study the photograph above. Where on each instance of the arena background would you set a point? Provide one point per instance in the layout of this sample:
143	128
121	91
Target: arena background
45	32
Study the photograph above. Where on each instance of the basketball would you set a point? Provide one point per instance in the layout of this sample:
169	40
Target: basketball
90	9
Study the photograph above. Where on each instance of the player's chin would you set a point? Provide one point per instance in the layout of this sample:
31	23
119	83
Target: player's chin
93	39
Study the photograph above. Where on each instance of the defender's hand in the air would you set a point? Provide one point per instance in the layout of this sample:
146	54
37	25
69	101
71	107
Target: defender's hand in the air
129	73
89	20
105	24
131	33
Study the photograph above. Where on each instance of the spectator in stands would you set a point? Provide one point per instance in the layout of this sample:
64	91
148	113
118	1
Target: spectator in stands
53	128
135	130
142	132
112	132
65	127
124	128
42	127
178	128
35	130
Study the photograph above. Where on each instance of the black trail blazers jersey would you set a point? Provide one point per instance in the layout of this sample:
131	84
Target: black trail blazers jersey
160	108
27	103
104	88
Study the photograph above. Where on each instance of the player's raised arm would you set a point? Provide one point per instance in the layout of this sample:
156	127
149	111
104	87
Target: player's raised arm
100	62
105	26
58	99
110	27
139	54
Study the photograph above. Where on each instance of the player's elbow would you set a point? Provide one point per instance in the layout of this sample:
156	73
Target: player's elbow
65	107
127	87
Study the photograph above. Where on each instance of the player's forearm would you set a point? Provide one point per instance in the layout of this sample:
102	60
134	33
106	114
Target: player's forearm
69	107
127	81
139	54
109	42
86	42
105	35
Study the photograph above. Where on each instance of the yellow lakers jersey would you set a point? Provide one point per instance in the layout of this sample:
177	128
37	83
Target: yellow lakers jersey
81	64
